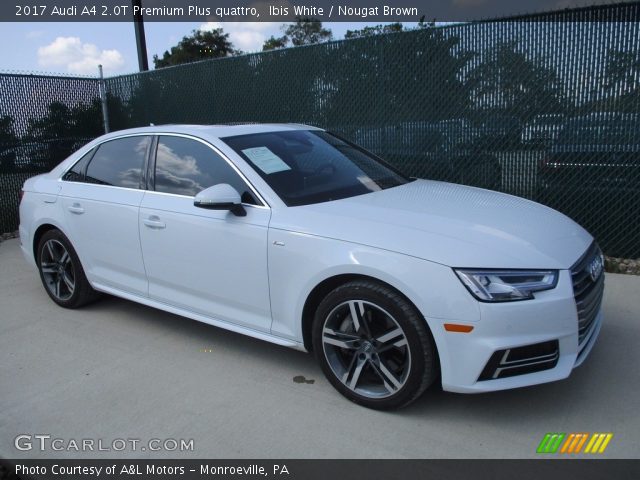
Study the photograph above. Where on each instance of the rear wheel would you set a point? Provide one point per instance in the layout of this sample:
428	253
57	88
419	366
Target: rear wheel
61	272
373	345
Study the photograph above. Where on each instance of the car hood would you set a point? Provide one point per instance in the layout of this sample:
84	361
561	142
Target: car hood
451	224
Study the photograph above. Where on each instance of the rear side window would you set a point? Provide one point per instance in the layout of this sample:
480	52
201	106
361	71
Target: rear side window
186	167
76	173
119	162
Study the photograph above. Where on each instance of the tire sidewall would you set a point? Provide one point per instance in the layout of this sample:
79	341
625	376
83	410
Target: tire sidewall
400	309
75	262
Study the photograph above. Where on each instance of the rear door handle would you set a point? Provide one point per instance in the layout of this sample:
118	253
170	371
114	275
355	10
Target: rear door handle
154	222
76	208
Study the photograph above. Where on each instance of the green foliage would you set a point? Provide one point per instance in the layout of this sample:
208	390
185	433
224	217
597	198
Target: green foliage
200	45
55	136
622	71
63	129
61	121
375	30
8	141
274	43
622	81
398	78
509	80
305	31
7	132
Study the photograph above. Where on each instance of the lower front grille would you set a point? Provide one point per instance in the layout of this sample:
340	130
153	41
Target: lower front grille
587	276
521	360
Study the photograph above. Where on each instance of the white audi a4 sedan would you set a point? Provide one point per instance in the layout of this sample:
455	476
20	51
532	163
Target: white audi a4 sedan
293	235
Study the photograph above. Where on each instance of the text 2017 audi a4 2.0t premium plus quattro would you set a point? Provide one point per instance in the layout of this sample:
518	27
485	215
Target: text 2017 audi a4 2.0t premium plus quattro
290	234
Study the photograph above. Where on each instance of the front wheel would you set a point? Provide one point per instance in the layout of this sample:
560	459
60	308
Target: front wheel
373	345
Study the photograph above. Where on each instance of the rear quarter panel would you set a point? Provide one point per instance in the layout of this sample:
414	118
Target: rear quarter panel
39	206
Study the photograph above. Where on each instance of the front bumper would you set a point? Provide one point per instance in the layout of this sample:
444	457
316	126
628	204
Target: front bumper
551	317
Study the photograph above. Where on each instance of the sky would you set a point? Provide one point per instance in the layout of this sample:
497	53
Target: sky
77	48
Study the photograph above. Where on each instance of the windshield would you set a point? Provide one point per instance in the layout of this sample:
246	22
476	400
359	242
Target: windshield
306	166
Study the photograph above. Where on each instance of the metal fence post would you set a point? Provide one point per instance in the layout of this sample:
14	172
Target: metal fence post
103	100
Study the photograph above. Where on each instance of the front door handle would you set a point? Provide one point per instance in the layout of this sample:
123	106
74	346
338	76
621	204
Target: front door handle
154	222
76	208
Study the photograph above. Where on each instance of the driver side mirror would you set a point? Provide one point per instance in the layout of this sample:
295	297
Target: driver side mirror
220	197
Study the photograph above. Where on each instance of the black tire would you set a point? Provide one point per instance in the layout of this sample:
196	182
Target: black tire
58	272
355	369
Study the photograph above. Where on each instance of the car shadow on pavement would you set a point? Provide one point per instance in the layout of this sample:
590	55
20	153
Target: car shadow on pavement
547	402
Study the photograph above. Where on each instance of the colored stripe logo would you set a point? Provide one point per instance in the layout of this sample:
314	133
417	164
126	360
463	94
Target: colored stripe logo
574	443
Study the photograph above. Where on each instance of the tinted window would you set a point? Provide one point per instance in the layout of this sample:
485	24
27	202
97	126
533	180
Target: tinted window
305	167
186	167
119	162
76	173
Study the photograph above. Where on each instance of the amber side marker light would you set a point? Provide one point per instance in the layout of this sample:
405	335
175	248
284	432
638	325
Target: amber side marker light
454	327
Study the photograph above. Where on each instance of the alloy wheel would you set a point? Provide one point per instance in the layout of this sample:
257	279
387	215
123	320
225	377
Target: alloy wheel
57	270
366	348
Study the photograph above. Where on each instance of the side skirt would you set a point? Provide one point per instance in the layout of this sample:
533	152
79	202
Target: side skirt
200	318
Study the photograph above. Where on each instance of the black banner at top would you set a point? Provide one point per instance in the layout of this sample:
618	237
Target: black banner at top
369	11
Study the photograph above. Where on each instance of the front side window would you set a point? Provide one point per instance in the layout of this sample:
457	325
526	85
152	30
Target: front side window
186	167
119	162
309	166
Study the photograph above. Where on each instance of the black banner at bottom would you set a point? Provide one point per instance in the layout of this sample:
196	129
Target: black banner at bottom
583	469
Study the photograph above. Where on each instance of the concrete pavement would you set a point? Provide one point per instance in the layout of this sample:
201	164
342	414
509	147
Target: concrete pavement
118	370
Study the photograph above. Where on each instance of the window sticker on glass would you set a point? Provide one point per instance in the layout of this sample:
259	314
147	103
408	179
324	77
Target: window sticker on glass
266	160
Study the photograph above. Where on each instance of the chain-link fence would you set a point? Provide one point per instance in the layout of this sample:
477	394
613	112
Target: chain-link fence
42	120
546	107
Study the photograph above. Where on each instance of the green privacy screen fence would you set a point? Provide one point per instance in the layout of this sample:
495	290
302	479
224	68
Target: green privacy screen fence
42	120
545	107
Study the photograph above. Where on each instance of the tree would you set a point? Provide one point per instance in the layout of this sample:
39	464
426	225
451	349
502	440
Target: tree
200	45
7	134
8	141
622	81
514	84
53	137
376	30
274	43
413	77
305	31
622	71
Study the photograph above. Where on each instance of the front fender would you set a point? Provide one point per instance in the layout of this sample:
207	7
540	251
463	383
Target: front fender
304	261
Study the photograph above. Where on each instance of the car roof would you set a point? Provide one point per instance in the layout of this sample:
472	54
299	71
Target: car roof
218	131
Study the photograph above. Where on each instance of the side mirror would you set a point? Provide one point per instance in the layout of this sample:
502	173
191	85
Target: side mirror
220	197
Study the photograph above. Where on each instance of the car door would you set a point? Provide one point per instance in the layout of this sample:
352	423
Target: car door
100	197
210	262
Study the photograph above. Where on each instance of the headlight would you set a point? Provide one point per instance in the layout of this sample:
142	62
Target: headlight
507	285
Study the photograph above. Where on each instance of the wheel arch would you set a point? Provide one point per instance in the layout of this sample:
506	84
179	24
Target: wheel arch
37	235
327	285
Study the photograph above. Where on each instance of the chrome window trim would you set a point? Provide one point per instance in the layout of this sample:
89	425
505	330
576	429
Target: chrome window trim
171	134
66	170
250	205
